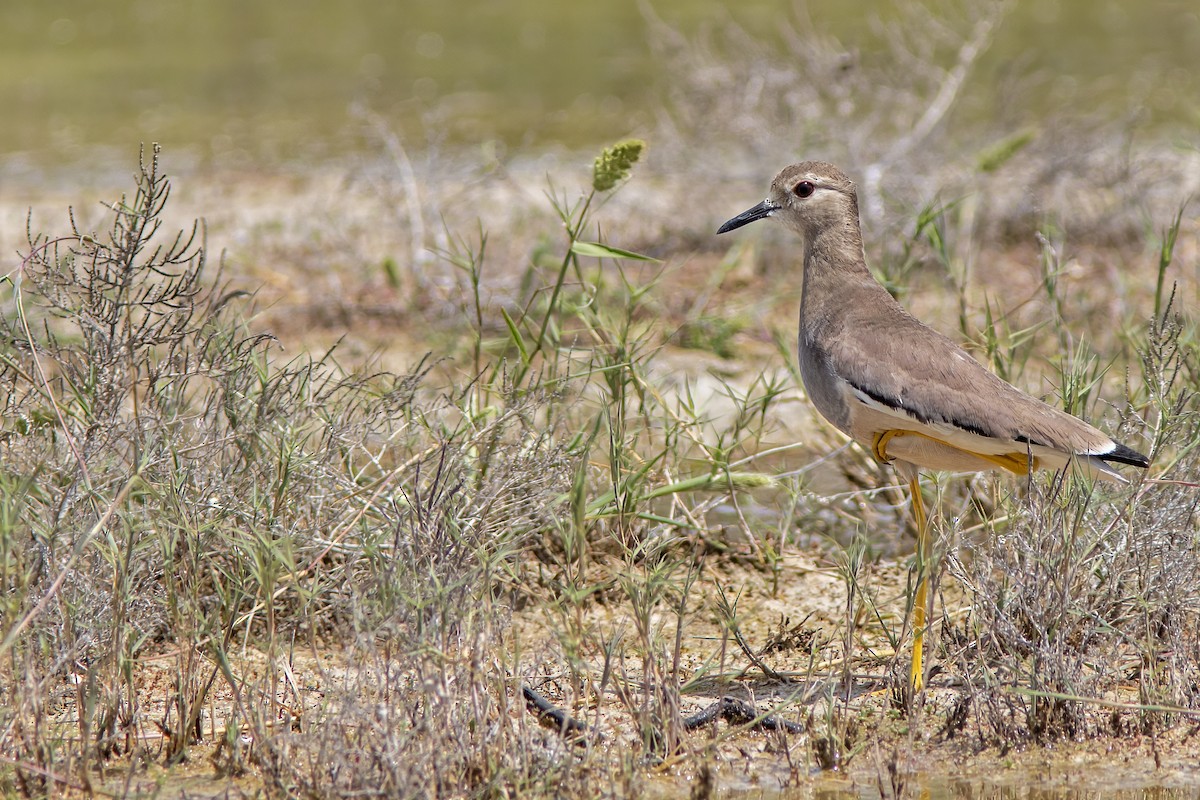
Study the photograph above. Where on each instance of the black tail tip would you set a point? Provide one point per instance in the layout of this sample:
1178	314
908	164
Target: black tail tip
1126	455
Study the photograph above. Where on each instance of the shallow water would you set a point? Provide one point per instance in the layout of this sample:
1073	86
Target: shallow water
239	84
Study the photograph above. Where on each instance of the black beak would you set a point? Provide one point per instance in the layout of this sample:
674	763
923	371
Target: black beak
760	211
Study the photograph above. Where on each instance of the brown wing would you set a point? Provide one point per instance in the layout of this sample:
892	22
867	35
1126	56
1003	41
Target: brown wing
900	362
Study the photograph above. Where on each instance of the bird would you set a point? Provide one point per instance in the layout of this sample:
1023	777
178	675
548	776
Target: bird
908	394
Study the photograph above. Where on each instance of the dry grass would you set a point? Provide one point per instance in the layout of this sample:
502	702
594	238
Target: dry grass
590	486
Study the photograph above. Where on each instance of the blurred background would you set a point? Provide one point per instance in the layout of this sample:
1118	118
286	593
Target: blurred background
230	84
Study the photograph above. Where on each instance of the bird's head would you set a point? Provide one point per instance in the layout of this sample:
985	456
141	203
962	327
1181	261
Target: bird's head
808	197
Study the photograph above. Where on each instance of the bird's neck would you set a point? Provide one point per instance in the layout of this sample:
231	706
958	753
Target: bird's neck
833	258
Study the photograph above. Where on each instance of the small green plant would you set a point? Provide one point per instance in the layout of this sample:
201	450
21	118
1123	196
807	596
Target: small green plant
713	334
997	155
614	163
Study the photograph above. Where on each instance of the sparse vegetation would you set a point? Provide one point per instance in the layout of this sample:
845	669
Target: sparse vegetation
323	577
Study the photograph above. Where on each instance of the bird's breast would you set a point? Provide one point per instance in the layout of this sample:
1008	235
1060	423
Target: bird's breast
826	390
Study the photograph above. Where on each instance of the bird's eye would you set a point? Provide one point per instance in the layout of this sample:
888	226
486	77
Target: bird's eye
804	189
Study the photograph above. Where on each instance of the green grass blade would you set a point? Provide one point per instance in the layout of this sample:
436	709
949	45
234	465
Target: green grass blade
598	250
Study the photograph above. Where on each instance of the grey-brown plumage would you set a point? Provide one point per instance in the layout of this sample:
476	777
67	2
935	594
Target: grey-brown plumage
870	367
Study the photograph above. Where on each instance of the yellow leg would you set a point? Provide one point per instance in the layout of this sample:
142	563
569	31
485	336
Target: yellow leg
1020	463
881	442
917	672
917	675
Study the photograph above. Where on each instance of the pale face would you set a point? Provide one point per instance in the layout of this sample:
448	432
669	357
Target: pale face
806	197
808	200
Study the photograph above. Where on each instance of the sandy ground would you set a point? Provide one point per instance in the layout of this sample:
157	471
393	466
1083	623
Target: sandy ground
887	754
